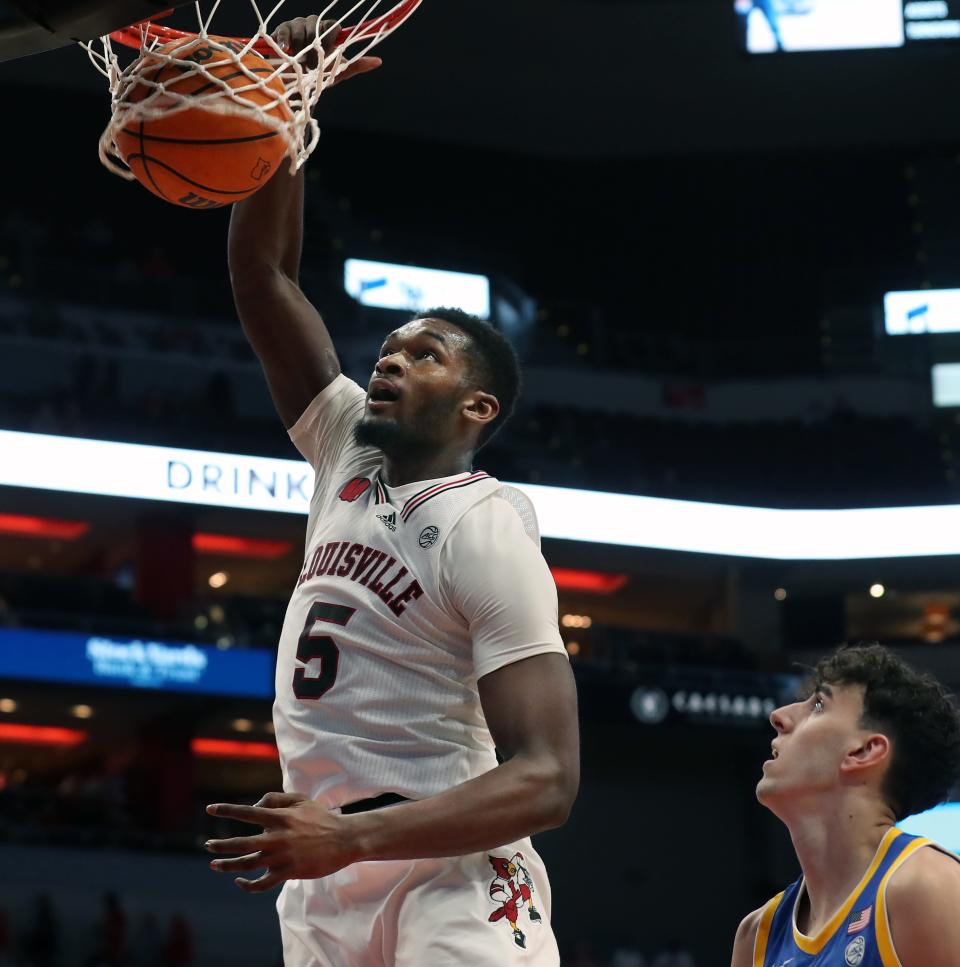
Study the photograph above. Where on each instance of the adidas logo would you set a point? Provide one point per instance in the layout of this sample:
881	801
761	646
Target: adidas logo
389	519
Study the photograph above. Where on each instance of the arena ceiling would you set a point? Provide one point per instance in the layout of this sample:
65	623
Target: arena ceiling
597	78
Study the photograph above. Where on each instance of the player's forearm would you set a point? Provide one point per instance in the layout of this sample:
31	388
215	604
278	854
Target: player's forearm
514	800
284	328
266	231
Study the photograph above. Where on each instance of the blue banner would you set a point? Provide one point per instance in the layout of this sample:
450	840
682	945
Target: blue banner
79	659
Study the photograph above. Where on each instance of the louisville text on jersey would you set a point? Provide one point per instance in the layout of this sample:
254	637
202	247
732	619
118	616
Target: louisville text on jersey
367	566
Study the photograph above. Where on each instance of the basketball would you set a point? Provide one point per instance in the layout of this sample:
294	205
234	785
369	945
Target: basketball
199	157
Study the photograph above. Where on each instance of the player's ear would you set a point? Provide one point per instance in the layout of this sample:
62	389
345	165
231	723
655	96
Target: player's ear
871	750
481	408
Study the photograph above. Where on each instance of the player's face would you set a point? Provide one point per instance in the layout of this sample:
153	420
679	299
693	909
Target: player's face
417	389
814	737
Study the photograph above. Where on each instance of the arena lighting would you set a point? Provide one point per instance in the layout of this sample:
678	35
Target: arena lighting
413	289
231	546
945	384
40	735
593	582
230	749
922	312
204	478
60	530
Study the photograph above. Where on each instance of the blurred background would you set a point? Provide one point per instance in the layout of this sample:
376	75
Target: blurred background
689	221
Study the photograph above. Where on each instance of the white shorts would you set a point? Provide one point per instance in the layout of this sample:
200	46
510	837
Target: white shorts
489	909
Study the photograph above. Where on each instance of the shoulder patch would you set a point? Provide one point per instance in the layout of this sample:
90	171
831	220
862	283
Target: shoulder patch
429	536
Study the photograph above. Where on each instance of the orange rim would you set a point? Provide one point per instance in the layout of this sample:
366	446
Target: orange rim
145	31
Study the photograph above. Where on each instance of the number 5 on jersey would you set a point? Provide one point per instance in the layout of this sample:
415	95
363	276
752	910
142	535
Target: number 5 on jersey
314	645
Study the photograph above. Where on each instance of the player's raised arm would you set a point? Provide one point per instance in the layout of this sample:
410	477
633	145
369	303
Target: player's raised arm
265	241
285	330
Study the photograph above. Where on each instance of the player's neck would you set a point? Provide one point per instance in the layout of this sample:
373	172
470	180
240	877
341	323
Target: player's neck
430	466
835	846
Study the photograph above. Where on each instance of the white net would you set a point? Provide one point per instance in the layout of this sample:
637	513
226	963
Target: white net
285	87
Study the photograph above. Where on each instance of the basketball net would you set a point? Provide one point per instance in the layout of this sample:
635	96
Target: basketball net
304	76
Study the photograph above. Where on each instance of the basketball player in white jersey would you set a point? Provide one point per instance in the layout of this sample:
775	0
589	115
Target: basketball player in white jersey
873	743
420	644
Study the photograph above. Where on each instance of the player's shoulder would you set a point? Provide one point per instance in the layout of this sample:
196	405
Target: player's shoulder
339	392
745	941
492	520
930	878
922	900
747	935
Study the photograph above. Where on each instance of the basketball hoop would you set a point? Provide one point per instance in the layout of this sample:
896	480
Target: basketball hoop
352	28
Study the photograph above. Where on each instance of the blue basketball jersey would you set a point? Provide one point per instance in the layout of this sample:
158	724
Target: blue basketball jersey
858	935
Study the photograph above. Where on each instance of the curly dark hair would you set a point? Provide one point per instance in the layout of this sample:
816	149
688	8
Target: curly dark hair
914	710
494	365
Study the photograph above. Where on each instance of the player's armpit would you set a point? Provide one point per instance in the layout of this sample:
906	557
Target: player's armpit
743	944
531	711
923	903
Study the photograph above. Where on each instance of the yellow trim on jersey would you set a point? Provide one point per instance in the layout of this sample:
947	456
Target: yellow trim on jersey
813	945
888	953
763	930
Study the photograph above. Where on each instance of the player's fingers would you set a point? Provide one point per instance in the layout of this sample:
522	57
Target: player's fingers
282	36
304	32
268	881
362	66
277	800
239	864
238	844
329	32
256	815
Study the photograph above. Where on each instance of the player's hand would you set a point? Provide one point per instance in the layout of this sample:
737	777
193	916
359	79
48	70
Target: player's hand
295	35
301	840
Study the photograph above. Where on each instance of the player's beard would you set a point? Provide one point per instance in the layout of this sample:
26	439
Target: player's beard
423	432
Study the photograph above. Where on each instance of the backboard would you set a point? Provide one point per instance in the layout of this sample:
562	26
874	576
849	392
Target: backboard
31	26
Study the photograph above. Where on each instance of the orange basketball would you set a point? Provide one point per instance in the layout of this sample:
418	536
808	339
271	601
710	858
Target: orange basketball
196	157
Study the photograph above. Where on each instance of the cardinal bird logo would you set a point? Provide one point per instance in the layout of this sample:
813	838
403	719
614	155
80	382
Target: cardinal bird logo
512	890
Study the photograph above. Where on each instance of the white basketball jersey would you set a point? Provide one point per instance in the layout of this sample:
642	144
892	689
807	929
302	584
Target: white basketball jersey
406	597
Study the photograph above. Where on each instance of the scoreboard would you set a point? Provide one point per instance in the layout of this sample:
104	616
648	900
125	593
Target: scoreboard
790	26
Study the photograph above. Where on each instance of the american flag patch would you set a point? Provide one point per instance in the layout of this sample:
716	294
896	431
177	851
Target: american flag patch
862	921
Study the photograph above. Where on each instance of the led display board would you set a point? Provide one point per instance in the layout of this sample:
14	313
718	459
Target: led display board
941	824
945	382
79	659
106	468
413	289
923	312
790	26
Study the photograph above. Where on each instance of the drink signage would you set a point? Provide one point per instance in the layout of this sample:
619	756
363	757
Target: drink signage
102	467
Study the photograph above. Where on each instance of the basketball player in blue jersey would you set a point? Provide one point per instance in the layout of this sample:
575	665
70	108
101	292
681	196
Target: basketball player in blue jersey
425	708
874	742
